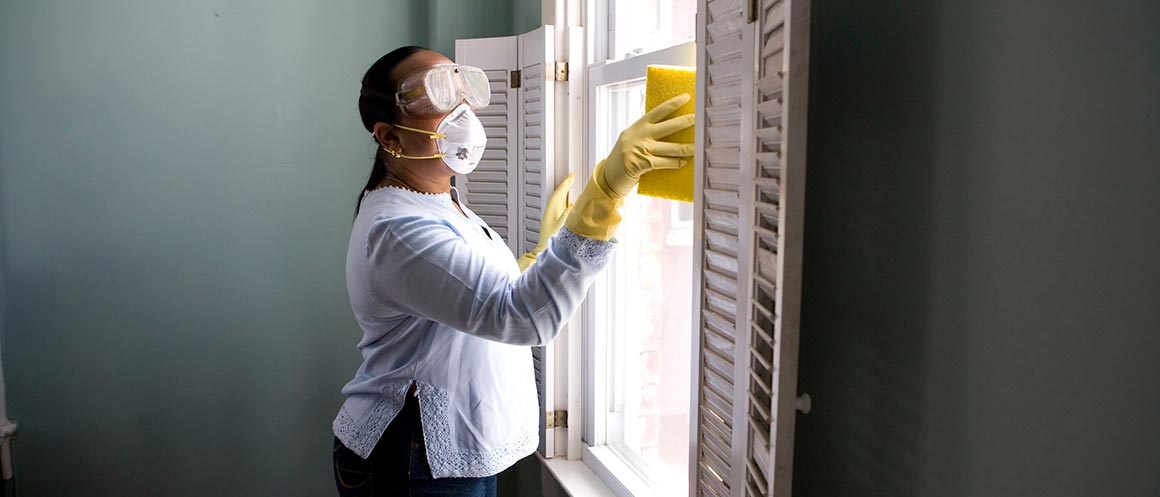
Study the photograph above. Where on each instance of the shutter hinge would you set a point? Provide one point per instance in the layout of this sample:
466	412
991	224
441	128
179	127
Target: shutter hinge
559	72
751	11
516	78
557	419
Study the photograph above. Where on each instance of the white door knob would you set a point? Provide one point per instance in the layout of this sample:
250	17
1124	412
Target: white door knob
804	403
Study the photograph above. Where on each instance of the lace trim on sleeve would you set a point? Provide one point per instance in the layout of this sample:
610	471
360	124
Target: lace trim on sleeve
589	250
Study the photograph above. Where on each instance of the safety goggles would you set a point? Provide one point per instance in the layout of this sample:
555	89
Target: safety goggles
440	89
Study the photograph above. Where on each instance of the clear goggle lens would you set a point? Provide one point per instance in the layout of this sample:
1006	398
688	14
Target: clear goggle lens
441	88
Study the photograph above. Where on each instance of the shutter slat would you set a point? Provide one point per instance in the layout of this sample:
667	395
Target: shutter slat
492	166
721	8
723	138
769	108
726	284
722	261
771	49
711	482
774	17
719	303
714	395
769	137
716	426
723	221
765	388
769	84
720	326
481	187
482	175
724	46
725	25
720	344
717	452
721	199
767	363
717	403
725	113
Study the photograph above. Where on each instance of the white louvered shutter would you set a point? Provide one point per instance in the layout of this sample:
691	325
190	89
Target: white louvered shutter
491	190
750	226
721	82
511	184
536	181
781	88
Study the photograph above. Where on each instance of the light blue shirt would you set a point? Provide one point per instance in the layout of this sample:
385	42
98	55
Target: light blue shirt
442	304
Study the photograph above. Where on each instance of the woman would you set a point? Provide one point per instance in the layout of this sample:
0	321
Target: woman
445	398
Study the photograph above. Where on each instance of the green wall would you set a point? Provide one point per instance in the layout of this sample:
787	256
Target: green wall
176	186
981	273
177	181
526	15
454	19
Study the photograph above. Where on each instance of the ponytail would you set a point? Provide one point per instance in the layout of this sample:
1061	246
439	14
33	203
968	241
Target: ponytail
376	104
378	172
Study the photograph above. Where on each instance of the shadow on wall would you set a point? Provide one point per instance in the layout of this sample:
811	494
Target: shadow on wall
869	354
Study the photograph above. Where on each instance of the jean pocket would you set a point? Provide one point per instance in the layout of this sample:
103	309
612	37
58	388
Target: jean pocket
352	474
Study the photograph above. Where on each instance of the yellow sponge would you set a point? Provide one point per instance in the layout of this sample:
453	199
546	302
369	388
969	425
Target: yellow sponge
663	83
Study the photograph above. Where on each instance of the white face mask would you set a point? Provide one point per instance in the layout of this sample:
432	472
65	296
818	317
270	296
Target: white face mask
460	138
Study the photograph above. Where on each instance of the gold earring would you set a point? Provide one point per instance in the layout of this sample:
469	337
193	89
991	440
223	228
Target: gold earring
392	152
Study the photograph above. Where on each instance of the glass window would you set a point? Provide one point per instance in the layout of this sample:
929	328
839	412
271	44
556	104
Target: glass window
641	26
646	319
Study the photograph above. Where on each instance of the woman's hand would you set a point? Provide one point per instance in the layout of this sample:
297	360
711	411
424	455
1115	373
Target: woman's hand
559	205
639	148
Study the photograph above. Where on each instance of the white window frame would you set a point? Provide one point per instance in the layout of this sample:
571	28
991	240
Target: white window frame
622	476
746	28
583	40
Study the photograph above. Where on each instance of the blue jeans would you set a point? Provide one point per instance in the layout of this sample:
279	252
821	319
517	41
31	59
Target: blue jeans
398	466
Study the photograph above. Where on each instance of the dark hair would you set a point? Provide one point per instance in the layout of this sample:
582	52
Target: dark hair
376	104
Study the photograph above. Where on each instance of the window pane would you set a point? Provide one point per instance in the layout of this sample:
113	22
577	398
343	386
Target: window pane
641	26
648	331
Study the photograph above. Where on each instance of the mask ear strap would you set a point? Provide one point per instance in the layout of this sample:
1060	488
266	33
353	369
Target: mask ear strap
431	135
413	157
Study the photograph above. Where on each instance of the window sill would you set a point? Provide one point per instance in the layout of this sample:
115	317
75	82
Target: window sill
575	477
620	478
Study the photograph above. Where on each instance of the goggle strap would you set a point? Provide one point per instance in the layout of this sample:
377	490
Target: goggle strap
402	98
367	91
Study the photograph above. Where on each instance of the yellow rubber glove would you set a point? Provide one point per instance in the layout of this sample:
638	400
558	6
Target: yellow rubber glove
550	222
638	150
